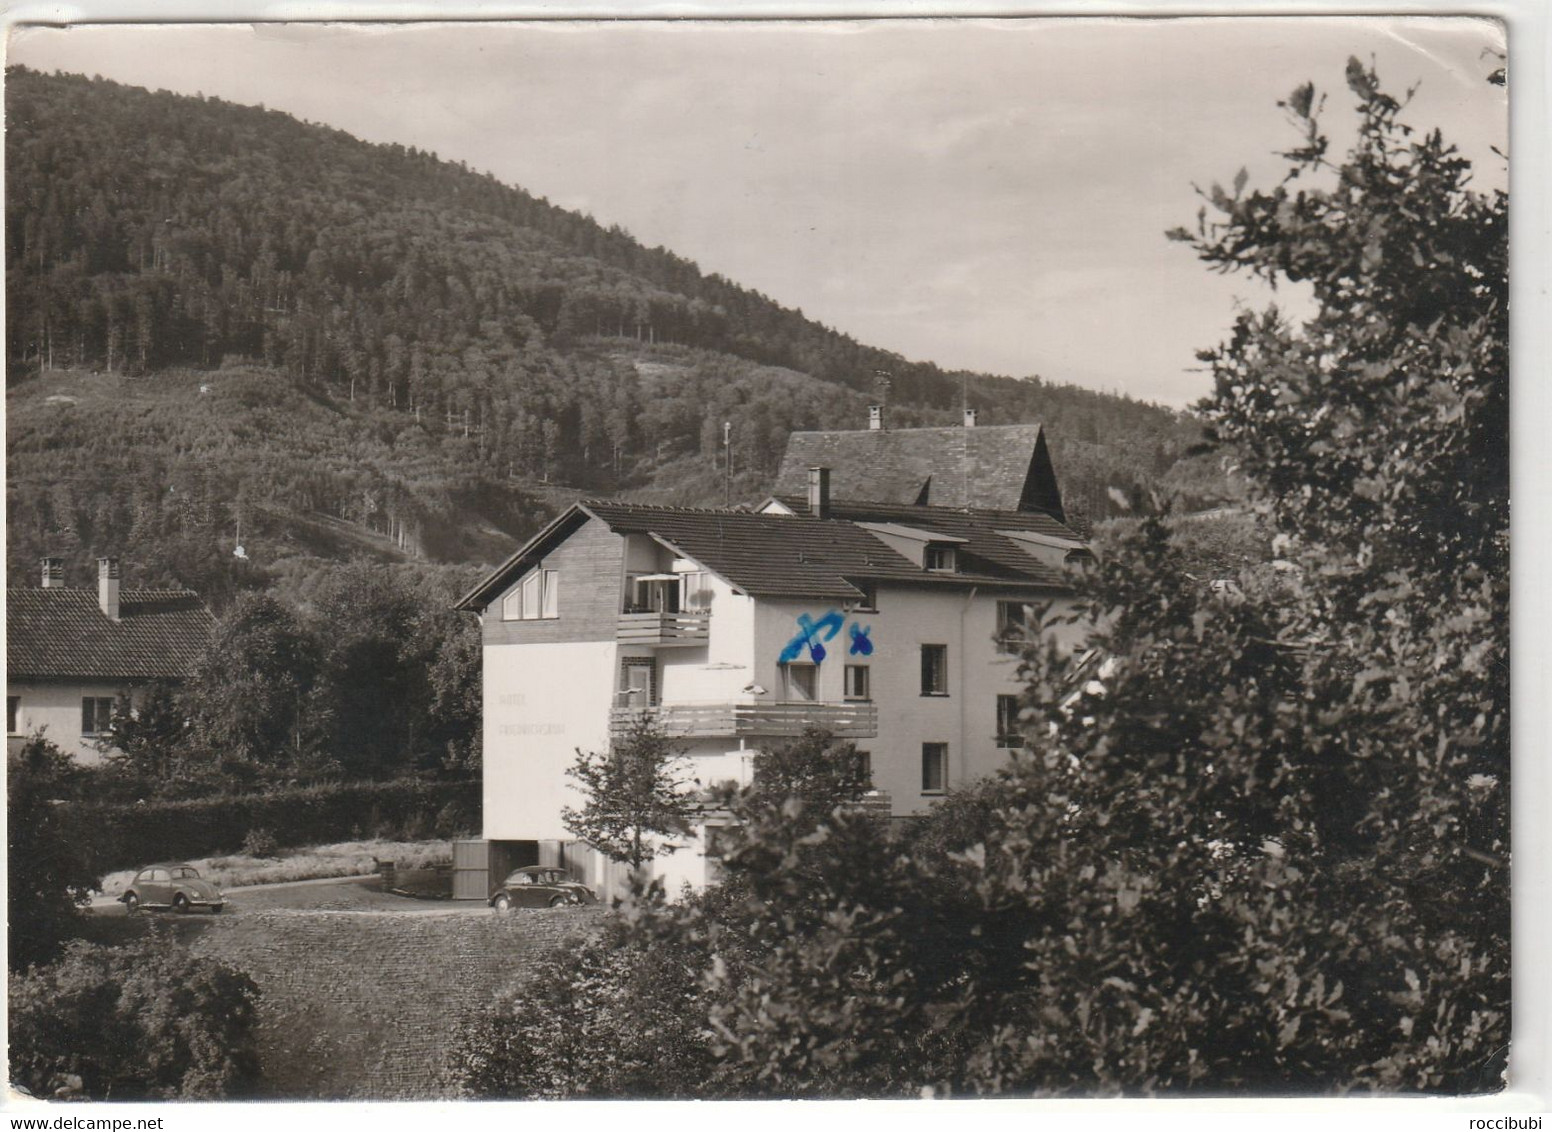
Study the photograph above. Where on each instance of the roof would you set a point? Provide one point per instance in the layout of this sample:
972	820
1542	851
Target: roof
56	633
995	467
796	556
915	533
944	519
982	531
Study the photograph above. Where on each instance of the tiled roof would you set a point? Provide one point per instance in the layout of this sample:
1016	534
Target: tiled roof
774	555
57	633
983	545
767	555
997	467
946	519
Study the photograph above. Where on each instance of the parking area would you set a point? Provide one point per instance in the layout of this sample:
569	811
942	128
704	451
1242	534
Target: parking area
339	894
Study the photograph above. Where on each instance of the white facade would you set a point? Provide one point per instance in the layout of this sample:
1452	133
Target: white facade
545	701
542	702
56	707
963	716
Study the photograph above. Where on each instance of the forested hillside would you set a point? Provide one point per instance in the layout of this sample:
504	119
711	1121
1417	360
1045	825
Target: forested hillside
219	315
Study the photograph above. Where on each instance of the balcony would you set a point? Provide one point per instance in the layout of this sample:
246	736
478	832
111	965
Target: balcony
784	720
664	630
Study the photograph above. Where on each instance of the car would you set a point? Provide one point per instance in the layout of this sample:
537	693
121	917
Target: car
540	886
177	886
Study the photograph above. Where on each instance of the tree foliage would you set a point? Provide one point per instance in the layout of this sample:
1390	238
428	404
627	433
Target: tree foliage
634	795
145	1022
814	769
363	672
615	1016
50	871
252	698
146	736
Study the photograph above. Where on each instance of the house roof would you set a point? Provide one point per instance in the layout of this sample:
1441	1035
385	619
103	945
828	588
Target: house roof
996	467
62	633
982	531
780	556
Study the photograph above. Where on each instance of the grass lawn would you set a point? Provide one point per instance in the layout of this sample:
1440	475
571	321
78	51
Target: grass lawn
342	859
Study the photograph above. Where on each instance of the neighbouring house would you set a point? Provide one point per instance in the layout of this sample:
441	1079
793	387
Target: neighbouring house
894	624
996	468
72	654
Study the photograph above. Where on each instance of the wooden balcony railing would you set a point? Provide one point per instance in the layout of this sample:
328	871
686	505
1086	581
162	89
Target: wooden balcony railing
753	720
664	629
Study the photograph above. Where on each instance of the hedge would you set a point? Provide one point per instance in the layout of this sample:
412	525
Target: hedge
127	835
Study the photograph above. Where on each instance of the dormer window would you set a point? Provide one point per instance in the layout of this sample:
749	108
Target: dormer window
941	558
536	597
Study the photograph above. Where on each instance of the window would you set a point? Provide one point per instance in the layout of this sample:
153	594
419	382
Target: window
934	664
695	592
96	715
864	766
654	593
12	710
1008	722
1012	624
536	597
868	602
934	768
802	681
941	558
857	682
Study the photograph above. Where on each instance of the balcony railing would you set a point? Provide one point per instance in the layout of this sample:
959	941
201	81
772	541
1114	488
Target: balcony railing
664	629
751	720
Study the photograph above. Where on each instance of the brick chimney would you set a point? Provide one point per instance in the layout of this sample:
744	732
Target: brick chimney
819	492
108	587
53	573
969	418
875	416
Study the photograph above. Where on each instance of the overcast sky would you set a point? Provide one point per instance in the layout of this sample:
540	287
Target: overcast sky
983	194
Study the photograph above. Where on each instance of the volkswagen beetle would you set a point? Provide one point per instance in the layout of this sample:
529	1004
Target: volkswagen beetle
540	886
175	886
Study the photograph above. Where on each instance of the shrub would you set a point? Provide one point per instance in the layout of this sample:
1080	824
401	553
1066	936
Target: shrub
260	843
50	870
620	1017
147	1022
127	835
456	820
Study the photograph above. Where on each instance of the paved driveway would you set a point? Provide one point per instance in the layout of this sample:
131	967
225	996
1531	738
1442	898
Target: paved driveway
340	894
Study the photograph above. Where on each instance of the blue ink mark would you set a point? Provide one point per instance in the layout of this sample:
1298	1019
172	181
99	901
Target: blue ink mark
809	637
861	640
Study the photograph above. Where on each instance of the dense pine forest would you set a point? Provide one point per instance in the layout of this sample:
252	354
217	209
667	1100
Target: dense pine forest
228	325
